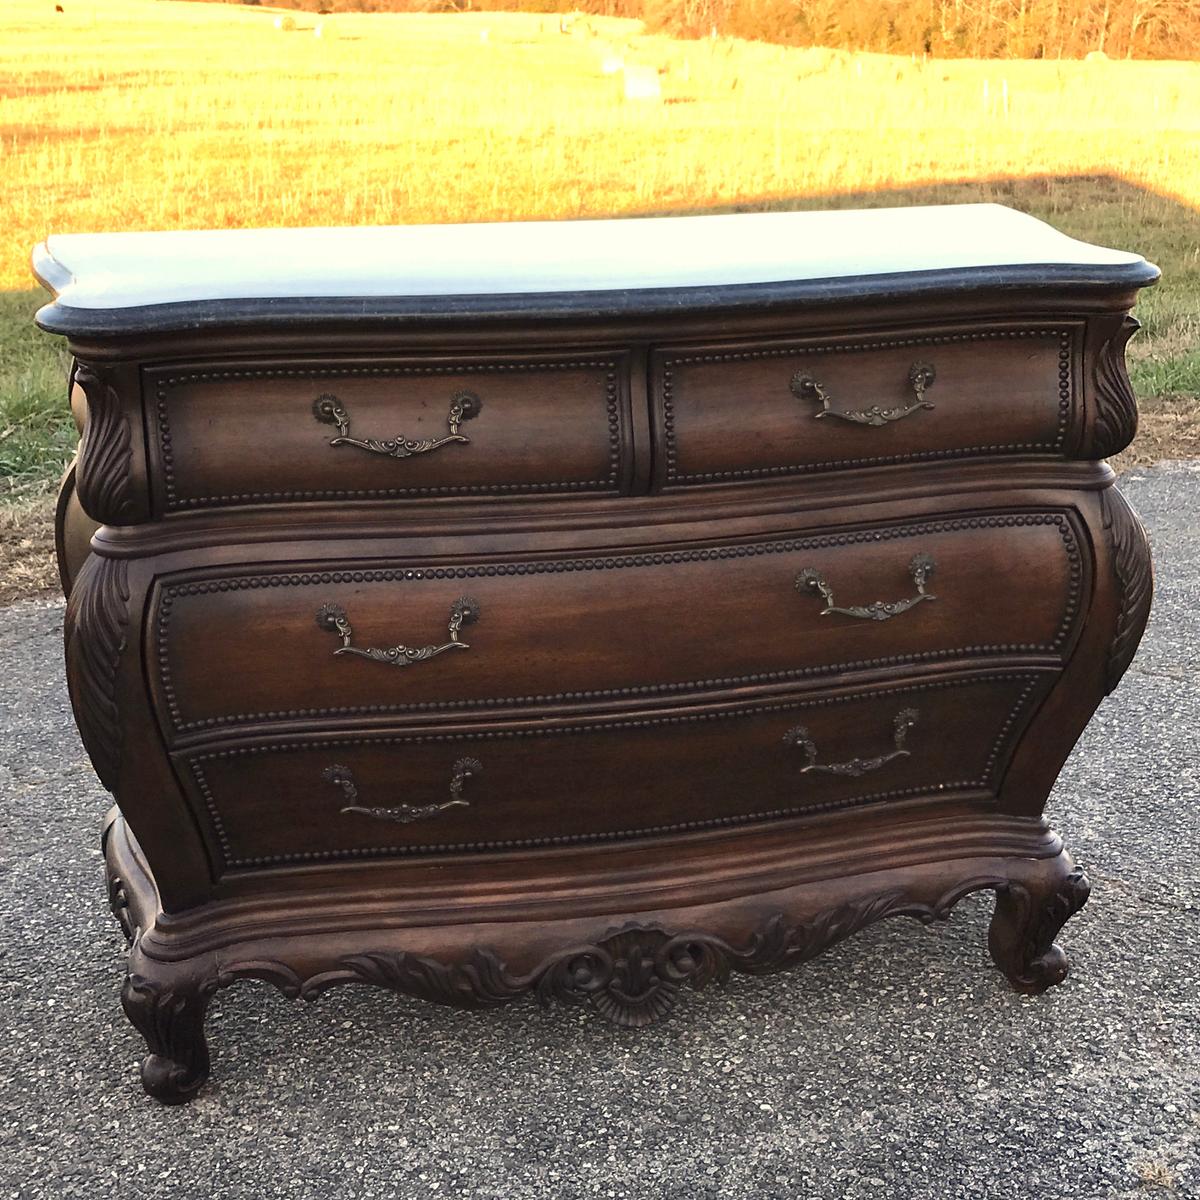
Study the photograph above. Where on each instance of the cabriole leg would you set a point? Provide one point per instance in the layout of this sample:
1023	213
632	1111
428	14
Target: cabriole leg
171	1019
1030	910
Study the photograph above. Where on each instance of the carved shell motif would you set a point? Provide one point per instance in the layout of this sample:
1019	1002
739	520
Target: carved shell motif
633	977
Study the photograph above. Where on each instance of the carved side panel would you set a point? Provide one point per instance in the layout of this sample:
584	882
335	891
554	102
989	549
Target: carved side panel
96	635
1116	420
104	479
1130	553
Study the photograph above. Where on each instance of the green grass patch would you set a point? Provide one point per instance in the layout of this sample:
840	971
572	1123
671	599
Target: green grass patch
1167	376
37	435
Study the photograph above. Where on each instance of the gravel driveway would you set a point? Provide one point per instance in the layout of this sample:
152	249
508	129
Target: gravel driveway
897	1066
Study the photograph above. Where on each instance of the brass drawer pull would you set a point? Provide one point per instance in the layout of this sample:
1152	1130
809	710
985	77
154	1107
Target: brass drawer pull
406	814
903	721
329	410
920	568
332	617
920	377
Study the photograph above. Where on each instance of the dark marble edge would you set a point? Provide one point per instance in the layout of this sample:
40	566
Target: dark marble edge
579	305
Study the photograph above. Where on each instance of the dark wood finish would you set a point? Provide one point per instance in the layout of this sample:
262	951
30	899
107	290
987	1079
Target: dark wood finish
651	696
73	531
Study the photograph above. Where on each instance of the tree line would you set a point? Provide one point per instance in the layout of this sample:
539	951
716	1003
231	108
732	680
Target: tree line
939	28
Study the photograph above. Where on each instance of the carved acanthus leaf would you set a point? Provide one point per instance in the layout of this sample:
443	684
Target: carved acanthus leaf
479	982
172	1023
1130	553
1116	418
96	623
103	477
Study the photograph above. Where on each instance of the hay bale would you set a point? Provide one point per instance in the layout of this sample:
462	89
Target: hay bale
642	83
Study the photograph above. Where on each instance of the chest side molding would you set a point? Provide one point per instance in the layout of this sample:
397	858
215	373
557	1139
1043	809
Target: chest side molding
1114	419
108	478
96	634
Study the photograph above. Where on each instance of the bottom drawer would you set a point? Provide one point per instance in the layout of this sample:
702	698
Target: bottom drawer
520	785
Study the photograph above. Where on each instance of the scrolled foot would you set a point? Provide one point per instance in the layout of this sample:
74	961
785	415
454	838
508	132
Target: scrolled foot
171	1019
1029	914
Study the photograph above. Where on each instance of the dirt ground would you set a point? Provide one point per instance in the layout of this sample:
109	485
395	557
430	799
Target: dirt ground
27	565
1168	428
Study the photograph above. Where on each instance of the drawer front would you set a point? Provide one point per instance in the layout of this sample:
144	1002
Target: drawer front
350	642
728	413
518	787
277	433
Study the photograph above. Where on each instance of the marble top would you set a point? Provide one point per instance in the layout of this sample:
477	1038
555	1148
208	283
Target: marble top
204	272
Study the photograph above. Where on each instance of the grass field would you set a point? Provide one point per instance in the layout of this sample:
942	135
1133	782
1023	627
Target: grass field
144	114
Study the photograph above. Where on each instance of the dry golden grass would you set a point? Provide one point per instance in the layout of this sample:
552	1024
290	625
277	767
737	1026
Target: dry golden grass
140	114
1157	1175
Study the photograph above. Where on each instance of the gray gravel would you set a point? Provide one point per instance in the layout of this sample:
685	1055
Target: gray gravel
899	1065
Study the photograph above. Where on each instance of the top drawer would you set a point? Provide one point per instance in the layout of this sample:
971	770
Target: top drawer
270	433
746	411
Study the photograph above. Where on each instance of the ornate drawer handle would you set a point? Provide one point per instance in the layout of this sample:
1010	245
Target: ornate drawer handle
329	410
920	377
406	814
903	721
920	568
464	611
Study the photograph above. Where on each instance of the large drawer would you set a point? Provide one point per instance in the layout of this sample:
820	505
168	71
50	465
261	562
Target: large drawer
268	433
521	786
312	645
752	410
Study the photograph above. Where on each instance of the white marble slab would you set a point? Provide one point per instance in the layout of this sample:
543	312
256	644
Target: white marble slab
123	270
